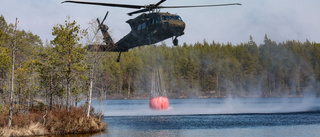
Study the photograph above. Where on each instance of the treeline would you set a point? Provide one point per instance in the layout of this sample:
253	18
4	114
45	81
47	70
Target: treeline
287	69
59	71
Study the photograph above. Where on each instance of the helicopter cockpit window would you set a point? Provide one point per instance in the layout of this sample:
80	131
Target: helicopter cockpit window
178	17
139	27
172	18
165	17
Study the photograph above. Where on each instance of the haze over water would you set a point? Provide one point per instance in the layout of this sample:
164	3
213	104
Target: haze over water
210	106
242	117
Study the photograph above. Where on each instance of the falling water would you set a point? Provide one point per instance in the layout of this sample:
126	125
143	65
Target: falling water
157	83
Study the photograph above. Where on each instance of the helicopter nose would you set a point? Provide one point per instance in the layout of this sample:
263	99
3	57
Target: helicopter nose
178	27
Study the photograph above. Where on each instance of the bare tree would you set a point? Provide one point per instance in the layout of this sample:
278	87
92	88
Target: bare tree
13	48
93	58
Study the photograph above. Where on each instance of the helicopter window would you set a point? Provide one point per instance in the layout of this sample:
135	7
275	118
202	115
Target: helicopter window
178	17
139	27
143	25
158	19
172	18
165	17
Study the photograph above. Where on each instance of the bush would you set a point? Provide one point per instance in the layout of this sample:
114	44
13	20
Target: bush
74	121
57	121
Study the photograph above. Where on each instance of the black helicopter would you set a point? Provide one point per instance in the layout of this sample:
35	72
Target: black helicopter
146	29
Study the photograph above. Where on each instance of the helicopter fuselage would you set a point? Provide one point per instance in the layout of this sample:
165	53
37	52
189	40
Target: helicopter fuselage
146	29
151	28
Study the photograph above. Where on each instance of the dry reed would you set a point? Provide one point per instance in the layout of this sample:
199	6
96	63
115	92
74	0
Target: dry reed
56	122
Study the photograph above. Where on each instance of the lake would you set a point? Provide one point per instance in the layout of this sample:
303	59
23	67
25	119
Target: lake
240	117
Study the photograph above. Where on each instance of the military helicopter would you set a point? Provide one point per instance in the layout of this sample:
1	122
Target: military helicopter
146	29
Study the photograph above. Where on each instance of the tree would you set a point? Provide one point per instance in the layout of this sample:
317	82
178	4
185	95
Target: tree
5	64
69	50
13	48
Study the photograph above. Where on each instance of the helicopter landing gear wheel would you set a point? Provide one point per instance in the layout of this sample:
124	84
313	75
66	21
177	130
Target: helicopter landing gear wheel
175	41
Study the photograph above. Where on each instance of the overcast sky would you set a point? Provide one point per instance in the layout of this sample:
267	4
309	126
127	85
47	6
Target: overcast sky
281	20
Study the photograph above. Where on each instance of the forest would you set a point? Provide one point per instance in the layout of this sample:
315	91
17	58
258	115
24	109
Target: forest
60	71
39	83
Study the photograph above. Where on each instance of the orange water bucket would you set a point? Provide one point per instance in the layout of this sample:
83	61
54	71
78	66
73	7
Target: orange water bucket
159	103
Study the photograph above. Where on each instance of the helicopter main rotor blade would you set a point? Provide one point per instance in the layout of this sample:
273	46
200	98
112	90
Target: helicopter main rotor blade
151	7
147	8
138	11
199	6
143	8
105	4
156	5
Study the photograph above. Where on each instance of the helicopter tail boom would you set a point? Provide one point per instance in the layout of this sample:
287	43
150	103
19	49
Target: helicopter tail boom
103	48
106	36
109	45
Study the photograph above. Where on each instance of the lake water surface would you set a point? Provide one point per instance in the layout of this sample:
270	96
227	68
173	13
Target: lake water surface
213	117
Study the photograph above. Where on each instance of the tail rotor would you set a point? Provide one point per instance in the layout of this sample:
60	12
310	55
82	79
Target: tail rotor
100	25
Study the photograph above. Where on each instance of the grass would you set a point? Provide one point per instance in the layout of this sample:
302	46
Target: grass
55	122
31	130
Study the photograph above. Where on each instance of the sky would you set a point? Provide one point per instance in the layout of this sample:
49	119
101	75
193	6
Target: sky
281	20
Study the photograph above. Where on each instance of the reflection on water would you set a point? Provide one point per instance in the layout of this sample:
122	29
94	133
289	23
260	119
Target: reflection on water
243	125
281	131
77	135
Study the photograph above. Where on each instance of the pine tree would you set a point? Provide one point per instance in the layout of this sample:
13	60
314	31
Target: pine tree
69	50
